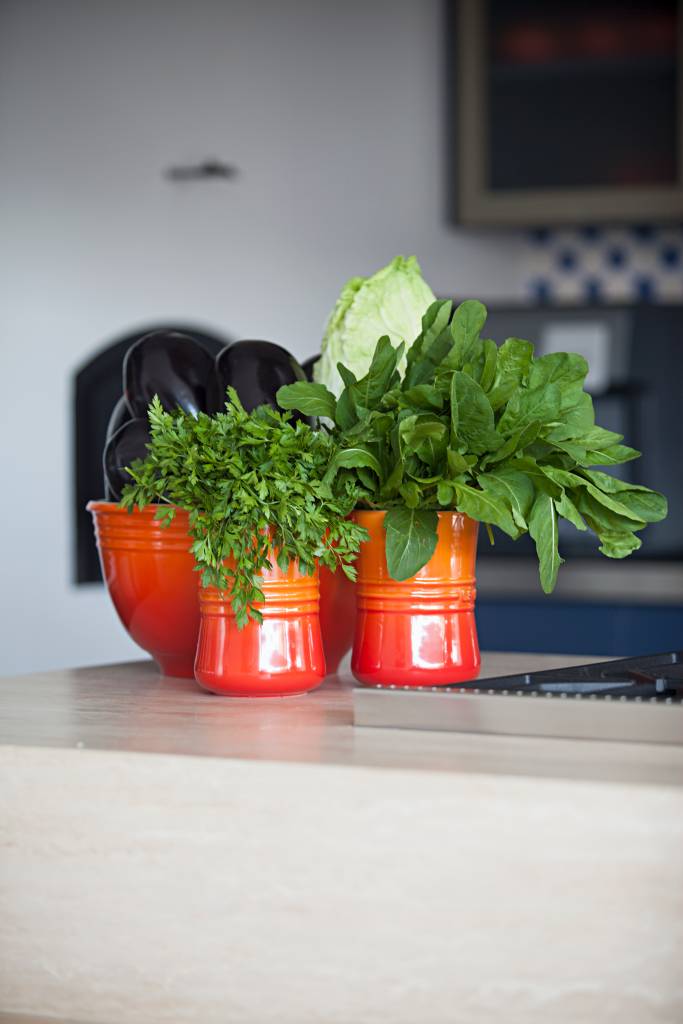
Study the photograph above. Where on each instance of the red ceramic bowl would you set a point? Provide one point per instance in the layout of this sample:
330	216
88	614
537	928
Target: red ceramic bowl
279	657
337	616
150	575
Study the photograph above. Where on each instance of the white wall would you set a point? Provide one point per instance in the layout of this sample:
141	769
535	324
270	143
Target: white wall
333	113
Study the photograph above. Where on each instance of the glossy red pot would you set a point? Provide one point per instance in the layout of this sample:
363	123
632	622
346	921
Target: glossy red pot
422	631
279	657
150	575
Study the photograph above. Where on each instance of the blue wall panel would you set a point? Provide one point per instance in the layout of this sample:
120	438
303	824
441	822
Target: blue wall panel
617	630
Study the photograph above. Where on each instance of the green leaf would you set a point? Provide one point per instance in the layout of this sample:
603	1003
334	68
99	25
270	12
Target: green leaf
433	449
562	477
424	370
525	406
393	481
517	442
350	458
309	399
445	493
486	507
624	505
430	347
368	391
411	537
422	396
568	510
373	426
650	506
537	474
617	535
456	462
576	408
414	430
346	416
455	417
468	320
574	451
610	484
474	415
543	529
410	493
366	478
488	372
601	519
619	545
512	368
596	437
434	321
348	376
614	455
558	368
515	487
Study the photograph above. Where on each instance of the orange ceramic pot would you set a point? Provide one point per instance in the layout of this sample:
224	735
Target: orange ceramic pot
150	575
419	632
279	657
337	615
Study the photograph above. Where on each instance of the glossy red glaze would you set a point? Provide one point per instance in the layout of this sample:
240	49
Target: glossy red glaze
420	632
337	616
150	575
277	658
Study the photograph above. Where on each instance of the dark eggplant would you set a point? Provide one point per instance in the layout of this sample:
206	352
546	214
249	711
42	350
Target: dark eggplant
120	414
256	369
124	447
308	364
172	365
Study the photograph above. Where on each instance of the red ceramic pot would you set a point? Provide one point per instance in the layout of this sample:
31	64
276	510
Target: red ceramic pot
419	632
150	575
279	657
337	615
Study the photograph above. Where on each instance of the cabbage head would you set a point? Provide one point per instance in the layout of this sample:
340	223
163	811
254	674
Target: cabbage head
391	302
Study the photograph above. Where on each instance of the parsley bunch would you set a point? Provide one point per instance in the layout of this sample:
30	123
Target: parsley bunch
506	437
257	487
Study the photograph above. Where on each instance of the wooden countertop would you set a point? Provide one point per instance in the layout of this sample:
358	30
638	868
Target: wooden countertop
130	708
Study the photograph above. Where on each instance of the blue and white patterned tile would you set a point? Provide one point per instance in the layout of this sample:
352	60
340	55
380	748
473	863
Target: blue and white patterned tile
639	263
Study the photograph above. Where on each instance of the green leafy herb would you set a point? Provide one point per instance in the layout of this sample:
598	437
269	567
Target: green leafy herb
411	540
258	487
490	431
543	529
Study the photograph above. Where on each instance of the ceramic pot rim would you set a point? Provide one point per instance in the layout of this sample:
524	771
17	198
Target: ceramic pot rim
113	508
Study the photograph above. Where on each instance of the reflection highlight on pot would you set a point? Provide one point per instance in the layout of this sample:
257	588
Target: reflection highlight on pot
436	641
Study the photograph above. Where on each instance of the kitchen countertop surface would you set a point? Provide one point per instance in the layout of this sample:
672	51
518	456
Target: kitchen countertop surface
168	857
130	708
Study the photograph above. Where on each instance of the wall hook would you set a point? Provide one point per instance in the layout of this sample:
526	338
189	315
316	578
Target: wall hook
202	171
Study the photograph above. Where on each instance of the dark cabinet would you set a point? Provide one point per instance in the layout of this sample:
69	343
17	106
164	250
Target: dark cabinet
569	111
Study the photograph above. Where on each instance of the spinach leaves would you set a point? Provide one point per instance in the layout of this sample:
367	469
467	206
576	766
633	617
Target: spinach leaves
487	430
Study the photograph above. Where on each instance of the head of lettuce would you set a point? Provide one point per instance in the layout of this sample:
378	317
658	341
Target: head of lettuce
390	302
